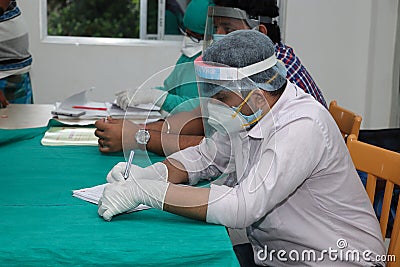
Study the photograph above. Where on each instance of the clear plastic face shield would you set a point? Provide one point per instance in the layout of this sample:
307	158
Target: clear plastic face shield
223	20
225	95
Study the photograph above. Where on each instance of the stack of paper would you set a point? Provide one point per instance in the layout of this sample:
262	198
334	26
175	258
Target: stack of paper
69	136
78	106
93	195
142	111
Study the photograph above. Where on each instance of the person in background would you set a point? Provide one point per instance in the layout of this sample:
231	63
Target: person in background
268	11
178	94
180	86
173	17
295	187
3	100
185	129
15	59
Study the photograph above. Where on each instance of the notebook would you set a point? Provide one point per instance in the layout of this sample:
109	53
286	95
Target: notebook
69	136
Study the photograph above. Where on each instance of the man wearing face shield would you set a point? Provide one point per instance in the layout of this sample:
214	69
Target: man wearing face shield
185	129
295	187
231	15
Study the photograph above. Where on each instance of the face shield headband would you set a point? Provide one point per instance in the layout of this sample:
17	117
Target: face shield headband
210	71
235	13
211	33
215	77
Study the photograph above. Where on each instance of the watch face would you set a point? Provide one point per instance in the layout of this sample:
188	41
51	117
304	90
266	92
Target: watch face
142	137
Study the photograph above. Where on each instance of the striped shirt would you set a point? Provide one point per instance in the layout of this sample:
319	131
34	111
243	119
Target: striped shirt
297	73
14	43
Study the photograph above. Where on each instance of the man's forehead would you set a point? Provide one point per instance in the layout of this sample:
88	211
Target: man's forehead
227	93
225	21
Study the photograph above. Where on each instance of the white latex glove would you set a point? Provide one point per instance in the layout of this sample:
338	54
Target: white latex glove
157	172
122	196
131	97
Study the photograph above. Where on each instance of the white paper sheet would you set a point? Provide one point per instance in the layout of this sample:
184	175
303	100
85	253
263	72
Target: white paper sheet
93	195
97	110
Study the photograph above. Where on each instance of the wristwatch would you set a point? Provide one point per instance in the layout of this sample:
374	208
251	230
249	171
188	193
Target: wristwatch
142	137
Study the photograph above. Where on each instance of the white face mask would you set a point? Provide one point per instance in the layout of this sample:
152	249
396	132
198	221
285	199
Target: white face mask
191	48
222	119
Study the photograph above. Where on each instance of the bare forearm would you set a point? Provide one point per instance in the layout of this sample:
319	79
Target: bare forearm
187	201
189	123
184	123
166	144
4	4
177	173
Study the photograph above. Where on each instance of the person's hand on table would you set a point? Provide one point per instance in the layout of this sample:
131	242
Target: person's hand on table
114	135
131	97
157	171
3	100
123	196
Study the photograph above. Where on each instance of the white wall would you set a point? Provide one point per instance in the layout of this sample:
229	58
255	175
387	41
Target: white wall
62	69
395	114
347	45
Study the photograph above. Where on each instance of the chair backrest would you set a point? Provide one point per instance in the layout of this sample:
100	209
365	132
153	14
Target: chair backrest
384	164
347	121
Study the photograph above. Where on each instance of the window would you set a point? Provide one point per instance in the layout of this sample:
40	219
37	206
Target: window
117	21
138	19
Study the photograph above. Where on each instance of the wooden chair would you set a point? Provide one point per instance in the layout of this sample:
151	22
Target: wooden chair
385	164
347	121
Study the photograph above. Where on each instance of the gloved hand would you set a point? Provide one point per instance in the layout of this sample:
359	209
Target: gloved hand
157	172
122	196
131	98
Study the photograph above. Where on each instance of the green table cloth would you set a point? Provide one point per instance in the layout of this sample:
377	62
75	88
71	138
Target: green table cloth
43	225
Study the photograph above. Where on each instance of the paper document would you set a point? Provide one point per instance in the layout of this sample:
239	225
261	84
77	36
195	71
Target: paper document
87	122
78	106
93	195
142	111
69	136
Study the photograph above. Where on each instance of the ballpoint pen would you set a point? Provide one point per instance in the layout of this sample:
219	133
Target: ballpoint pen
89	108
128	164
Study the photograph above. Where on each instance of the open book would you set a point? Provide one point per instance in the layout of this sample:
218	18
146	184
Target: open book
93	195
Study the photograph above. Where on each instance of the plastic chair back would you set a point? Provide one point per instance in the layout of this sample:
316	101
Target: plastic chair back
385	164
347	121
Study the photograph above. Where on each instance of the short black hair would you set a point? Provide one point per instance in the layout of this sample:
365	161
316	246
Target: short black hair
278	92
266	8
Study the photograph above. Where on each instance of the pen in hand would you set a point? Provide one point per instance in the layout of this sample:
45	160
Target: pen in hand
128	164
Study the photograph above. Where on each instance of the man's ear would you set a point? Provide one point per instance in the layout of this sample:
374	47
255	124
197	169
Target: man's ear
262	29
259	98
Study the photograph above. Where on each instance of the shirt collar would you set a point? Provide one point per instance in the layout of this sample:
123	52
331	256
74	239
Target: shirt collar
266	124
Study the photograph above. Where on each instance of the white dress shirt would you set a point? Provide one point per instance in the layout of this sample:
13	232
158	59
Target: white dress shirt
298	192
